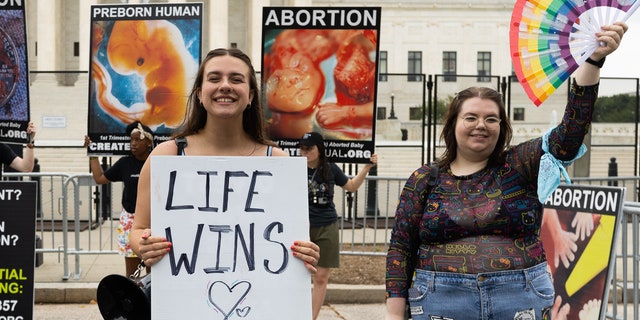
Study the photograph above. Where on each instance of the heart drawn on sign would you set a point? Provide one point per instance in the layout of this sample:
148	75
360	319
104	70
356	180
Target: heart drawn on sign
243	312
226	298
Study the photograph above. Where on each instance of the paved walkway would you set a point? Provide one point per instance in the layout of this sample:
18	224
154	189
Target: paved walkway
91	312
72	295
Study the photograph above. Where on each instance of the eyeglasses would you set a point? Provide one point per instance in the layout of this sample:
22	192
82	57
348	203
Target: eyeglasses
471	122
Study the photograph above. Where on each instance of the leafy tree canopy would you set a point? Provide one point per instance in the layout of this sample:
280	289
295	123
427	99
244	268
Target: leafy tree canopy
616	108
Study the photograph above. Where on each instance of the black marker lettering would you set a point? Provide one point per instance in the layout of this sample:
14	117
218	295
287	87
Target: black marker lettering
172	184
220	229
248	254
175	268
207	191
285	253
227	189
247	206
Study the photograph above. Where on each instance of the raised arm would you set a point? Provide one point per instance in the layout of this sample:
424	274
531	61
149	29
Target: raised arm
94	164
354	183
26	162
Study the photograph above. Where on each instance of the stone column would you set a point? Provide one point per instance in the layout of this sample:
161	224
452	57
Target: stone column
46	48
84	22
217	32
254	31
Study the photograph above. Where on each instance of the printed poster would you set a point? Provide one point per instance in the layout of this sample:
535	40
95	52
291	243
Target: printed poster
14	73
232	222
143	59
319	73
579	232
18	241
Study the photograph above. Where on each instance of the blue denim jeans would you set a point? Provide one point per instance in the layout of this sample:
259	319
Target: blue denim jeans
514	294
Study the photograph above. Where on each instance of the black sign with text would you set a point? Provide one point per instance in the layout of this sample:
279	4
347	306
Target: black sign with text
17	247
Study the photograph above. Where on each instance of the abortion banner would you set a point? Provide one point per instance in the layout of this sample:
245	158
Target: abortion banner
17	248
579	232
232	222
14	81
319	72
142	64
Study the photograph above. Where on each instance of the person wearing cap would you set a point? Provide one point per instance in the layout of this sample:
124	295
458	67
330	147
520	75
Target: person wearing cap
323	176
126	169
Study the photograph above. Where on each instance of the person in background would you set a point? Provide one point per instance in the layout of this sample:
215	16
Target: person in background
323	176
11	159
224	118
472	239
126	169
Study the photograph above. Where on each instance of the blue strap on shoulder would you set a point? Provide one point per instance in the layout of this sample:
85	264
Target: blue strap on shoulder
551	169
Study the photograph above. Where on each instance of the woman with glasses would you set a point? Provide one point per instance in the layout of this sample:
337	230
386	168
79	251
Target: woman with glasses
465	243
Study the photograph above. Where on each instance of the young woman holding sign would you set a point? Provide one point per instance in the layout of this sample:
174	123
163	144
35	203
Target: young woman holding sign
224	118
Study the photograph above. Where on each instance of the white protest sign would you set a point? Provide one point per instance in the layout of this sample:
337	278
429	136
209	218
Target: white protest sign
232	222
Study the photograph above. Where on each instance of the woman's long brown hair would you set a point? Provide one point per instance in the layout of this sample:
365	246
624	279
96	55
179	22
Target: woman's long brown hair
253	121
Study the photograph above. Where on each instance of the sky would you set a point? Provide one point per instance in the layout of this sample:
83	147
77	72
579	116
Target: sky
624	62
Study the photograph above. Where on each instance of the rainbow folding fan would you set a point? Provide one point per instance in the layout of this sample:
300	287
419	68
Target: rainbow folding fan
549	39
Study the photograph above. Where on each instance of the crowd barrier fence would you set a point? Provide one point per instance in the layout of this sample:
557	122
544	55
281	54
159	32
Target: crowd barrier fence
67	207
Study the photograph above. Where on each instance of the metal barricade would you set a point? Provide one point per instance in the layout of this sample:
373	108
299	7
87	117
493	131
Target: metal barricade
67	208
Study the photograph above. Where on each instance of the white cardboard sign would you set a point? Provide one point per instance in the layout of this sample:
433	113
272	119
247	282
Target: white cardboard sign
232	221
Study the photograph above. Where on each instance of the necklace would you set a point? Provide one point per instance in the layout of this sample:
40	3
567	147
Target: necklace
312	184
311	180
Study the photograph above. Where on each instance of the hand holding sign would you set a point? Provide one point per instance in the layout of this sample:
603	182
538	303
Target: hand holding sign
221	221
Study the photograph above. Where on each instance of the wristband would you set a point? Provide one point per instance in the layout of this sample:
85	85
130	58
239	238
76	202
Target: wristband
598	64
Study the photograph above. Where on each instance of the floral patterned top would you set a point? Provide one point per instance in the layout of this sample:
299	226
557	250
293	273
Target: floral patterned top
484	222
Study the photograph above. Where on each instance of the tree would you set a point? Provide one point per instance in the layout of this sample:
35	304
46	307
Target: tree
618	108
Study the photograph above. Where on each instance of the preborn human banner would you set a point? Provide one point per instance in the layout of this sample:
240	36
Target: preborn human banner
17	248
142	64
319	71
232	222
579	232
14	73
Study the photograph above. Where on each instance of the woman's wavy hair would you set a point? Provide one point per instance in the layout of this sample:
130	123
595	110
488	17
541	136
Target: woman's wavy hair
323	161
253	121
451	117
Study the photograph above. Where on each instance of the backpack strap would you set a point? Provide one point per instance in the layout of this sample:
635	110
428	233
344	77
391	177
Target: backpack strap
181	143
433	175
434	169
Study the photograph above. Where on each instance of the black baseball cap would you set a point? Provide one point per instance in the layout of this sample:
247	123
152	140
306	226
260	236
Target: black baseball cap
312	139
